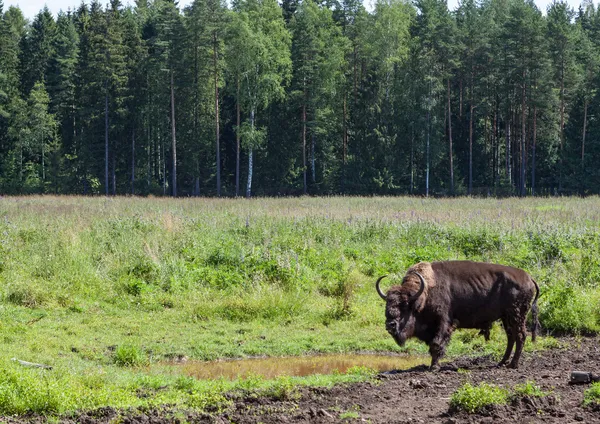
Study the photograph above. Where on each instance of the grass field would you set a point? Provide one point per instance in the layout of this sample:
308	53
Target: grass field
107	289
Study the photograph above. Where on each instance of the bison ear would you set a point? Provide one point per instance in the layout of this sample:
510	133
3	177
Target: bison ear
383	296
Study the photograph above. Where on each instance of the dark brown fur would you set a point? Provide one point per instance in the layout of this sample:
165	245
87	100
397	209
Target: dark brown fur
462	294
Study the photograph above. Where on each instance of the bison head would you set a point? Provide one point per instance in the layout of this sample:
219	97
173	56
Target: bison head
400	309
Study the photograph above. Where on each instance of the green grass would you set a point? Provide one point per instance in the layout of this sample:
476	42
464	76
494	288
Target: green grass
106	289
529	389
472	399
591	396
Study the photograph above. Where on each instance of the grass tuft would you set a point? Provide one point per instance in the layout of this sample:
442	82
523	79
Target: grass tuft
130	356
529	389
591	395
472	399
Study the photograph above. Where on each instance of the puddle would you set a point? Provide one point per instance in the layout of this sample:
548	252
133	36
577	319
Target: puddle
297	365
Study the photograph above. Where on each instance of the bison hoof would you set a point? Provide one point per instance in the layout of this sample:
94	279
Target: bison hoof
434	368
513	366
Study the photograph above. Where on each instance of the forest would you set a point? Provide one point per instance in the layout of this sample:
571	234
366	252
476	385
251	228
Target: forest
494	98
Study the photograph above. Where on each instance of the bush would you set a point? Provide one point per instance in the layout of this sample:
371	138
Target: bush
472	399
567	308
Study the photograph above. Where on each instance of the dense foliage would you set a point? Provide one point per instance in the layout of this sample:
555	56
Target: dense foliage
494	97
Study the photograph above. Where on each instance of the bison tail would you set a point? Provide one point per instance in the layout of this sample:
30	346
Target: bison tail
534	313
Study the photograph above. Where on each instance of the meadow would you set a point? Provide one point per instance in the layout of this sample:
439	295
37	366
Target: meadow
111	291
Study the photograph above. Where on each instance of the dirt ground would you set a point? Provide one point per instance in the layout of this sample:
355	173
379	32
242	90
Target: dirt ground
411	396
420	396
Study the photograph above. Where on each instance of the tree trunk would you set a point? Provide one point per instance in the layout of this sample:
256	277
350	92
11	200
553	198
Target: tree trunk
133	162
149	148
507	130
460	102
412	157
344	135
471	109
250	159
428	134
562	129
523	135
355	75
196	122
164	169
533	150
43	162
174	148
216	71
312	156
303	118
106	140
344	142
20	160
450	141
585	113
237	140
497	143
114	174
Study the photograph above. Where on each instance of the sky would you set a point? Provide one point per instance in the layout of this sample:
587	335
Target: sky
31	7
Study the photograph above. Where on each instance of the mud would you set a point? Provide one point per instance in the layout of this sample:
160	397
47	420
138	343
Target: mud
408	396
419	396
298	366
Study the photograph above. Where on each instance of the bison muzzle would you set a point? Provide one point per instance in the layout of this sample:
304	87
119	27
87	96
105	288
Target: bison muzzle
436	298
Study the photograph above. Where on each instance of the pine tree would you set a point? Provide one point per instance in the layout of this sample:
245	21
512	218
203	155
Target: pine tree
36	50
135	57
561	38
62	80
12	30
206	26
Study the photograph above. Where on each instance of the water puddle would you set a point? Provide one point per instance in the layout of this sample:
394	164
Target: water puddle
299	366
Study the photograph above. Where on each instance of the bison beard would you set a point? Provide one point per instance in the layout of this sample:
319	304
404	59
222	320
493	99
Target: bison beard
436	298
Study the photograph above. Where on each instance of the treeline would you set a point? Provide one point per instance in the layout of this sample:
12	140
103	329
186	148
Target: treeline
301	97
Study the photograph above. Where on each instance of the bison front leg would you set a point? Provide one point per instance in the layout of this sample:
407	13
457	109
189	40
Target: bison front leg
437	347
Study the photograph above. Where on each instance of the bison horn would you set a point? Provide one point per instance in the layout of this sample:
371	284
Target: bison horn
383	296
421	289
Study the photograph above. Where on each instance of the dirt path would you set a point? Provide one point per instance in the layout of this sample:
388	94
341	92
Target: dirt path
418	396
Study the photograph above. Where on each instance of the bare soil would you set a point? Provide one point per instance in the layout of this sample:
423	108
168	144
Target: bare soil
420	396
411	396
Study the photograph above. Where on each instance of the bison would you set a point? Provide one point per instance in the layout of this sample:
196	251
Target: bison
436	298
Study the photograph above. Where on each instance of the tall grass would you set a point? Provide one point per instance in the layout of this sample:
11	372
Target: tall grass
120	283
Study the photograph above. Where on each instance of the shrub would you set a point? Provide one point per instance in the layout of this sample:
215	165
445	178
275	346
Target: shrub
567	308
472	399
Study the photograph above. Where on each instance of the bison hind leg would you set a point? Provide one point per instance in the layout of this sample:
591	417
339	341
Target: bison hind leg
510	341
520	334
